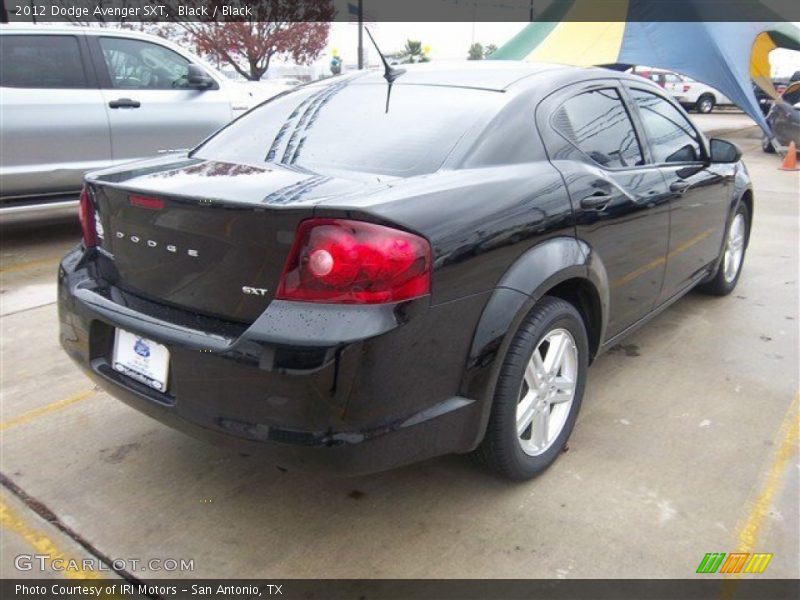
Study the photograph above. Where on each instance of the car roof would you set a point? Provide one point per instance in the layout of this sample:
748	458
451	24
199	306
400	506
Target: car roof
492	75
45	29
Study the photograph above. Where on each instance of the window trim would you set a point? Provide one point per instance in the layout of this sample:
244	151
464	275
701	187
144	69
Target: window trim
630	86
83	57
575	90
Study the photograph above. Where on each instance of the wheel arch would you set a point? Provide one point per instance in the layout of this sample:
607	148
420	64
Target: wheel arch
562	267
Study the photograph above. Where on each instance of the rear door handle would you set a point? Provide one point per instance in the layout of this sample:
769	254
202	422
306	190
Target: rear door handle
597	201
679	186
124	103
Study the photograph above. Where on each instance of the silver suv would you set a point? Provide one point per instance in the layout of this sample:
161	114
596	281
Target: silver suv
76	99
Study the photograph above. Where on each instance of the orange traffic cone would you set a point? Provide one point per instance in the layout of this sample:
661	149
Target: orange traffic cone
790	160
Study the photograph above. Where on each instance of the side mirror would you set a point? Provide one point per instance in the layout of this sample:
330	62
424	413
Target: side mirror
797	106
197	78
724	152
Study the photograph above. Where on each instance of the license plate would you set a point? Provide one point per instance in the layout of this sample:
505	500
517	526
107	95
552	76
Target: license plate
141	359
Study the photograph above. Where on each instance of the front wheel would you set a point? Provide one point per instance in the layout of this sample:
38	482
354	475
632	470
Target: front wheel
538	393
730	266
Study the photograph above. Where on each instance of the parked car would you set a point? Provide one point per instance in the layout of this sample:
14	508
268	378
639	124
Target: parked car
256	91
348	282
75	99
784	120
692	94
288	81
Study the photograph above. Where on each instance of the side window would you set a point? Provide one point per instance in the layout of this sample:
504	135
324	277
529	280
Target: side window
599	125
139	65
672	136
41	61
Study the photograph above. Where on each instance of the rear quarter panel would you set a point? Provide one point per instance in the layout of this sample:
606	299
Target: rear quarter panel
478	221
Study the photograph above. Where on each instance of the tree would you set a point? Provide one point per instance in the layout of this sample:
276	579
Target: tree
414	52
475	52
294	29
489	50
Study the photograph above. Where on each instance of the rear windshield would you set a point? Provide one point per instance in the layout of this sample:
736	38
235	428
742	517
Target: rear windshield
346	126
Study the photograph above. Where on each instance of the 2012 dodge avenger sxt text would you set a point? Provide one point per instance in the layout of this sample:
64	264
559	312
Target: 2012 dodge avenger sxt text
356	281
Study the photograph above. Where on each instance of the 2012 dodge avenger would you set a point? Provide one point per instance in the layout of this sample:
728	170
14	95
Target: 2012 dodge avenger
362	273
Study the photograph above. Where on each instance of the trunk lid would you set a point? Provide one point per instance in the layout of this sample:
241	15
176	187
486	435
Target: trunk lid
206	236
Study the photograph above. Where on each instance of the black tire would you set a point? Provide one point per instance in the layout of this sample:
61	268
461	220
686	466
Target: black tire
705	104
501	449
721	285
766	145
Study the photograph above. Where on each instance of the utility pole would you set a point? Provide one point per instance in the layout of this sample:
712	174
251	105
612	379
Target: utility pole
530	16
360	34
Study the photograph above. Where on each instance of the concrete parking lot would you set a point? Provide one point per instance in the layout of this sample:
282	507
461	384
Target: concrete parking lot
686	444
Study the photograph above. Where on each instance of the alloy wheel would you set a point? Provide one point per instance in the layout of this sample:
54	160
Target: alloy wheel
734	248
547	393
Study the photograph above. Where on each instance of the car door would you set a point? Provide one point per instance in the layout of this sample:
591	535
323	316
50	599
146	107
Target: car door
150	104
700	192
48	100
619	200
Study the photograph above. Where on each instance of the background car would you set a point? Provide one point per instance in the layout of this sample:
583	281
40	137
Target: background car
784	119
693	95
75	99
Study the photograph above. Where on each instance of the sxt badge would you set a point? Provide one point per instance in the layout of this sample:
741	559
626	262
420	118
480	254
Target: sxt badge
254	291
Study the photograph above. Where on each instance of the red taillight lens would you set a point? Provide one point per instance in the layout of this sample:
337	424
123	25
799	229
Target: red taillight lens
686	88
353	262
86	215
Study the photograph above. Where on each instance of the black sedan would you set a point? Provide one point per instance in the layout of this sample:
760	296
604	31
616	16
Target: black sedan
354	280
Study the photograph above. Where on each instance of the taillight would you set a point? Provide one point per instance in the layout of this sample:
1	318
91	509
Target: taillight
86	215
686	88
353	262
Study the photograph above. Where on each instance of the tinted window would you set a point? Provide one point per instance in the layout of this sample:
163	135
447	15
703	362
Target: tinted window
41	61
137	65
346	126
598	123
672	137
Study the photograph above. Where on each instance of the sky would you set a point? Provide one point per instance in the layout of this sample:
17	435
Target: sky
451	41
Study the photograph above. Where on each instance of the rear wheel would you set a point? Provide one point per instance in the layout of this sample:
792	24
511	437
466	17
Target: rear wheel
730	266
539	391
705	104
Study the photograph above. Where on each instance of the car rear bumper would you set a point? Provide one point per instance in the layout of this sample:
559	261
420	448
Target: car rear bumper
358	391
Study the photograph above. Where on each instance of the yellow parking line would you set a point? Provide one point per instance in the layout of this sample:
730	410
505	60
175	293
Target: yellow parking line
29	416
31	264
12	521
788	436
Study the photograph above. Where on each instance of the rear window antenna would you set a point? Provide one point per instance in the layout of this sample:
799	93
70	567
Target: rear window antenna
390	73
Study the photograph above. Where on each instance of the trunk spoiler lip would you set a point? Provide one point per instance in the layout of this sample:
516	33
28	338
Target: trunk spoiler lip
296	194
